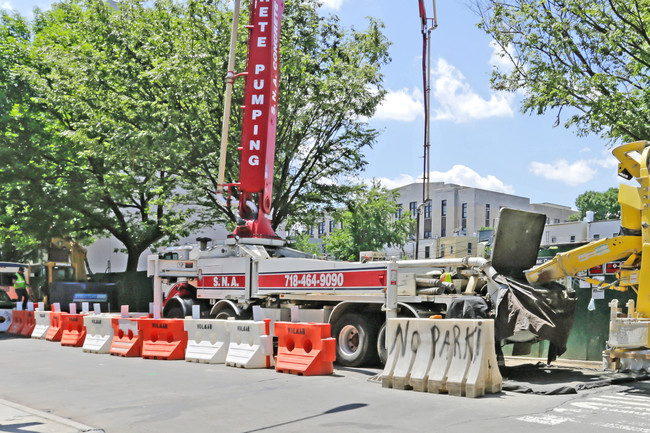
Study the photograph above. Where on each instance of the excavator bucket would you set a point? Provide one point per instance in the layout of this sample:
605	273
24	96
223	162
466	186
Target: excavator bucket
524	312
516	243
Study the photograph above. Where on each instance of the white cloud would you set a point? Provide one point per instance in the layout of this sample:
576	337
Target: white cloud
401	180
573	174
401	105
501	58
458	174
332	4
576	173
459	103
6	5
607	160
462	175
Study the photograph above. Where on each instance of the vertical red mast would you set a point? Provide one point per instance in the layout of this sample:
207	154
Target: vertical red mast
260	120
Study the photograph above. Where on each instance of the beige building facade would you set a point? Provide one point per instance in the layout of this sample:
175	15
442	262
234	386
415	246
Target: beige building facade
451	221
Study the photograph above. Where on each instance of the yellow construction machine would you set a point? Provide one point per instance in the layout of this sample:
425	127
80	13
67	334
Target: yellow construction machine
628	343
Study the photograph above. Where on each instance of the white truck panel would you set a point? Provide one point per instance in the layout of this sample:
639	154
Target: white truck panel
221	278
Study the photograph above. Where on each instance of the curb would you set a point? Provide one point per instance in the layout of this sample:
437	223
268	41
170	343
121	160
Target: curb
48	417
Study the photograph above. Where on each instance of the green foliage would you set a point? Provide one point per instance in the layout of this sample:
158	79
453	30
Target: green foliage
330	81
369	224
604	205
111	118
301	243
590	55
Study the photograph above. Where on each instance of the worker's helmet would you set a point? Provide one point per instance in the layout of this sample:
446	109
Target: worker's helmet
21	269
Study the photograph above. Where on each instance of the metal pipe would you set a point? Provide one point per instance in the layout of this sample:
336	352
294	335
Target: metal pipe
230	79
476	262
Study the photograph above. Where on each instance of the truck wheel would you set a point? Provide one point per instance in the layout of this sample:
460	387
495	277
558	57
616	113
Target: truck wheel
175	312
224	313
382	352
356	338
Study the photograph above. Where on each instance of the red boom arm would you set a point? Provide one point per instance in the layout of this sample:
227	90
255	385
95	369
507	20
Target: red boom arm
260	119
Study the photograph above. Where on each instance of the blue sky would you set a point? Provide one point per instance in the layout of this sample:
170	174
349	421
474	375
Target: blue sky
479	137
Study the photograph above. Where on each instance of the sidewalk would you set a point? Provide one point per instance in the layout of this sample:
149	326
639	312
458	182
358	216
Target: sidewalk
15	417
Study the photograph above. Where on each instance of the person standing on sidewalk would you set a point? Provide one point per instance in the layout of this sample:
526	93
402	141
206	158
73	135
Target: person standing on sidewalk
20	286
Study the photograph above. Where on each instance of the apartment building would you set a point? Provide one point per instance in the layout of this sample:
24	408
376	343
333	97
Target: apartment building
451	221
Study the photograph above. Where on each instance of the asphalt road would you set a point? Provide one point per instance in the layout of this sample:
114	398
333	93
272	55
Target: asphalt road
117	394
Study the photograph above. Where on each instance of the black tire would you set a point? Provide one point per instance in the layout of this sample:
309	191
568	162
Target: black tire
175	312
224	313
382	352
356	339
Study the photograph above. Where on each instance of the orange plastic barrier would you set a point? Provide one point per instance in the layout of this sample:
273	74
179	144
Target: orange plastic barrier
56	330
16	322
29	323
127	337
163	338
305	349
74	331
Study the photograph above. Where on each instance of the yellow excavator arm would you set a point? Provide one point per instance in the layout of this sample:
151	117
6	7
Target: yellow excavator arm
633	245
596	253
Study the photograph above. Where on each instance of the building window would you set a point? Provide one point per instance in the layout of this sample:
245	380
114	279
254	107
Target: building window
413	206
310	231
469	248
427	252
321	228
427	235
332	226
572	239
451	249
553	240
443	218
442	250
427	210
556	221
596	237
463	217
398	213
487	215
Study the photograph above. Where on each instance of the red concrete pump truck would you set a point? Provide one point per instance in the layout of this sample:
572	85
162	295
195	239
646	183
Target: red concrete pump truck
254	274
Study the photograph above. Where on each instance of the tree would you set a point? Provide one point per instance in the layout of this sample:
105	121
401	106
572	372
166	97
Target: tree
604	205
330	81
131	103
26	214
590	56
369	224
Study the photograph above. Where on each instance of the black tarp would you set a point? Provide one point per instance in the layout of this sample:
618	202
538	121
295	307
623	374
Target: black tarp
547	311
468	307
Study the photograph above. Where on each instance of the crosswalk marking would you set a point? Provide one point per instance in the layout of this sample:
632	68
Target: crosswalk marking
636	409
544	419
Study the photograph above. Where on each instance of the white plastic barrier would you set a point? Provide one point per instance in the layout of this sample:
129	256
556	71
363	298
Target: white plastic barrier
99	333
207	340
42	319
250	346
5	320
444	355
401	354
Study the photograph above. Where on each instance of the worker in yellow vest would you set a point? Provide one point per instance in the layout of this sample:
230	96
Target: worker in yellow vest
445	277
20	286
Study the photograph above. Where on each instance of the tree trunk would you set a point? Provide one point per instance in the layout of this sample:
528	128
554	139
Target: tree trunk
133	257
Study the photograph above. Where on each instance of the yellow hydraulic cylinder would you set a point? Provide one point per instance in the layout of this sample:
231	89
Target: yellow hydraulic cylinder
643	295
585	257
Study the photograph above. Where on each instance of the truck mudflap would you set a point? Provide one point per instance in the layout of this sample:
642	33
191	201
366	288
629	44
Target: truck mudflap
547	311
